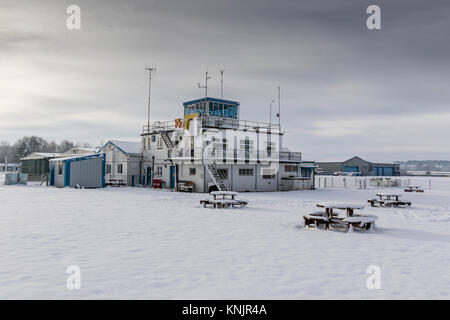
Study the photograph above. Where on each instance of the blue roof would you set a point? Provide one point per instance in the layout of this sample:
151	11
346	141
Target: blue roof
210	99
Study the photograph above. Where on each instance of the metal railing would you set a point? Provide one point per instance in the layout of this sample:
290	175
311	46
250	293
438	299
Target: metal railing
159	126
290	156
230	123
240	155
215	122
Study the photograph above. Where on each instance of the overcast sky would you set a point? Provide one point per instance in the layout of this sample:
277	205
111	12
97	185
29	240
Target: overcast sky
346	90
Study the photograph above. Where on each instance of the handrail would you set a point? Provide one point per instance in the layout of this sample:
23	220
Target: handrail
215	122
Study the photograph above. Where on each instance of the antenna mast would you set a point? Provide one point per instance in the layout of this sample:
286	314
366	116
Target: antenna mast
206	84
279	110
270	114
221	83
150	71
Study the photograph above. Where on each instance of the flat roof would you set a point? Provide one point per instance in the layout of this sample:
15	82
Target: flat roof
210	99
42	155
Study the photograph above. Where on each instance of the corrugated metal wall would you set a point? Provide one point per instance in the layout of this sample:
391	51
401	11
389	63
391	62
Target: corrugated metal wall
86	173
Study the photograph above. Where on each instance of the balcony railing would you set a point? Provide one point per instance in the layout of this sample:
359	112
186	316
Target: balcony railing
230	123
159	126
240	155
215	122
290	156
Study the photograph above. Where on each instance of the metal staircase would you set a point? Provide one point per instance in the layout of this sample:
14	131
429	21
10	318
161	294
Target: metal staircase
164	135
219	179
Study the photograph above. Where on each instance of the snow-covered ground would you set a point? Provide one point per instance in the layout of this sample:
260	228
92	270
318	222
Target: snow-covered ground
151	244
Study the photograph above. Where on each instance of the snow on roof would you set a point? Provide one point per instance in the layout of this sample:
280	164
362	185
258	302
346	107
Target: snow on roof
130	147
86	155
93	150
41	155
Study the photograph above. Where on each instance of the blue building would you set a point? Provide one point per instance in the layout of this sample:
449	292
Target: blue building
359	167
86	171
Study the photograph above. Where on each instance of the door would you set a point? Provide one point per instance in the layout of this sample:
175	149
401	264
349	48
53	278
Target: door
351	169
172	177
52	176
149	176
388	171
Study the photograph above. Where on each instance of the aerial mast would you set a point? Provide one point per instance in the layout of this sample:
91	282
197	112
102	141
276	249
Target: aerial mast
150	72
206	84
221	83
279	110
270	114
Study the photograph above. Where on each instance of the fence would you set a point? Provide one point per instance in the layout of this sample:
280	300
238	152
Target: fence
347	182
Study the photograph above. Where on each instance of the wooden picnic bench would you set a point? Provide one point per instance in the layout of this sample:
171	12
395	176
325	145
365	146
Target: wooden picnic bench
388	200
413	189
223	199
329	218
186	186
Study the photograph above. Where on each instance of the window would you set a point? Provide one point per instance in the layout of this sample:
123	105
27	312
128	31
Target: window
108	168
270	148
246	172
306	172
153	138
290	168
246	144
192	171
159	171
159	143
226	110
268	174
119	168
144	147
60	169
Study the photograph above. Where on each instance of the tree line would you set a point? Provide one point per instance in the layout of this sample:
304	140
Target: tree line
29	144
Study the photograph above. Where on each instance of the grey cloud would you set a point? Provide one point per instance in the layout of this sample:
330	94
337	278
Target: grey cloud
330	67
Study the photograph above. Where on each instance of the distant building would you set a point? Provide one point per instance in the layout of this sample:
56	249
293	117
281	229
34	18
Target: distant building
80	150
359	167
123	162
36	165
84	171
9	167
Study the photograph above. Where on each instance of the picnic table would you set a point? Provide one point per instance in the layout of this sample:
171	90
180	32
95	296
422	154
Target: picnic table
186	186
413	189
388	200
347	221
223	199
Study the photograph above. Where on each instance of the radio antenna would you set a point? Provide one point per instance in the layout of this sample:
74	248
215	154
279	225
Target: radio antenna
206	84
221	82
150	70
